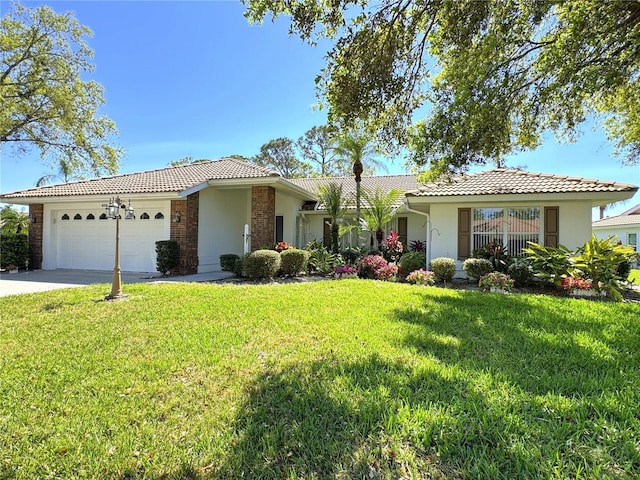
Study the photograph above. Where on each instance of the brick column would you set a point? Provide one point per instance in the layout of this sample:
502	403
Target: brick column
36	211
186	233
263	216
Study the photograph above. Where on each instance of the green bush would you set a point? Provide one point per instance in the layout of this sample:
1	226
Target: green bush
477	267
167	255
14	249
227	261
444	268
521	272
238	265
262	264
321	260
549	262
411	261
293	261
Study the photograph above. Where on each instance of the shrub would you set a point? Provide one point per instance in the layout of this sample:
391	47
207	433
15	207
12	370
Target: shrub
238	266
521	272
569	284
167	256
320	259
477	267
351	255
262	264
418	246
370	265
345	271
227	261
14	249
444	268
389	272
498	280
422	277
412	261
392	247
293	261
624	269
549	262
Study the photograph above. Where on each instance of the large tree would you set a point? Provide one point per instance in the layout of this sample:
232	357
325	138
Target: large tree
280	155
47	102
495	74
318	147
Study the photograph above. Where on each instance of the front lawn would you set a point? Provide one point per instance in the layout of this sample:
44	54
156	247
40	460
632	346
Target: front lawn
634	276
333	379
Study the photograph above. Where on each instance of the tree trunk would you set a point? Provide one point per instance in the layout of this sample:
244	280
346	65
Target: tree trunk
357	171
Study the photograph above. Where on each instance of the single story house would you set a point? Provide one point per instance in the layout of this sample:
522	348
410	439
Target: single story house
624	227
225	206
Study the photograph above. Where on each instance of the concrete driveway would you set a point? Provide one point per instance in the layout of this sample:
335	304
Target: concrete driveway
43	280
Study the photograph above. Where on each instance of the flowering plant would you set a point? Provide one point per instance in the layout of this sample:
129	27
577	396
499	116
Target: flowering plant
498	280
345	271
388	272
392	246
422	277
576	283
369	266
281	246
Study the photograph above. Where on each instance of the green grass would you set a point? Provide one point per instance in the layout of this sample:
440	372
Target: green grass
337	379
634	276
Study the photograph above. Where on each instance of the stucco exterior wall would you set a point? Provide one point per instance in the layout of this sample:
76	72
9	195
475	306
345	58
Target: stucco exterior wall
222	217
574	218
620	232
287	207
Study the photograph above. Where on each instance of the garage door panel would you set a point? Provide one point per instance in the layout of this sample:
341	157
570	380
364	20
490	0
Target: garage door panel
90	244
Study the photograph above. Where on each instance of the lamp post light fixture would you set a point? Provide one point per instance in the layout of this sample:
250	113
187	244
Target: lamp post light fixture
112	210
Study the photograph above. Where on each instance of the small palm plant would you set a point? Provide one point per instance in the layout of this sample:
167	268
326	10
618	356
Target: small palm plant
334	203
380	210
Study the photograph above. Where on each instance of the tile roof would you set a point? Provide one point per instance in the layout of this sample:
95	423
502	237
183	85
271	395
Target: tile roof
618	220
502	181
385	182
170	179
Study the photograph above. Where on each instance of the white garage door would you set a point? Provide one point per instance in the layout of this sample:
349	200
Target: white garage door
88	243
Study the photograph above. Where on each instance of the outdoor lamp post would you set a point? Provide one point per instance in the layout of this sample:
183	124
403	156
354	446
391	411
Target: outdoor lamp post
112	210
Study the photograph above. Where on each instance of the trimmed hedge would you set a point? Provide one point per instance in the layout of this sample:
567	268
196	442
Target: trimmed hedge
14	249
262	264
293	261
167	255
444	268
521	272
477	267
228	261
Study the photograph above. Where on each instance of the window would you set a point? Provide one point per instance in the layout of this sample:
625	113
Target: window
511	227
144	216
77	216
279	228
159	216
103	216
65	217
326	232
632	239
91	217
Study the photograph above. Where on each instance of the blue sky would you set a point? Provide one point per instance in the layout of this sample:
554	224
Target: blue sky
193	78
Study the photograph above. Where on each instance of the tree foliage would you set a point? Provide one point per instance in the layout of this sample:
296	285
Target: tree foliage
318	147
496	74
13	221
280	155
334	201
46	104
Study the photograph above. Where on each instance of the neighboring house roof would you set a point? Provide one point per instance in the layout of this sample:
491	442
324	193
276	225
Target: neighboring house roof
630	217
502	181
170	179
385	182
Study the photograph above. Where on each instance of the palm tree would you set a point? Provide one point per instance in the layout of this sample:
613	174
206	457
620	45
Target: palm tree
13	221
357	148
334	203
381	209
65	174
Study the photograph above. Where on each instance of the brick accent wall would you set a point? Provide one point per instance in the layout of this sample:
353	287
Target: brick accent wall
263	216
186	233
36	236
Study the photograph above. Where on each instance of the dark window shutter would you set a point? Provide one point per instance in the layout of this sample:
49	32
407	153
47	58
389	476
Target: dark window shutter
551	226
279	228
326	232
402	231
464	233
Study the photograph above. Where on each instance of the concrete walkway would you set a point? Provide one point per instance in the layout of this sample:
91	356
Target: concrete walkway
43	280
